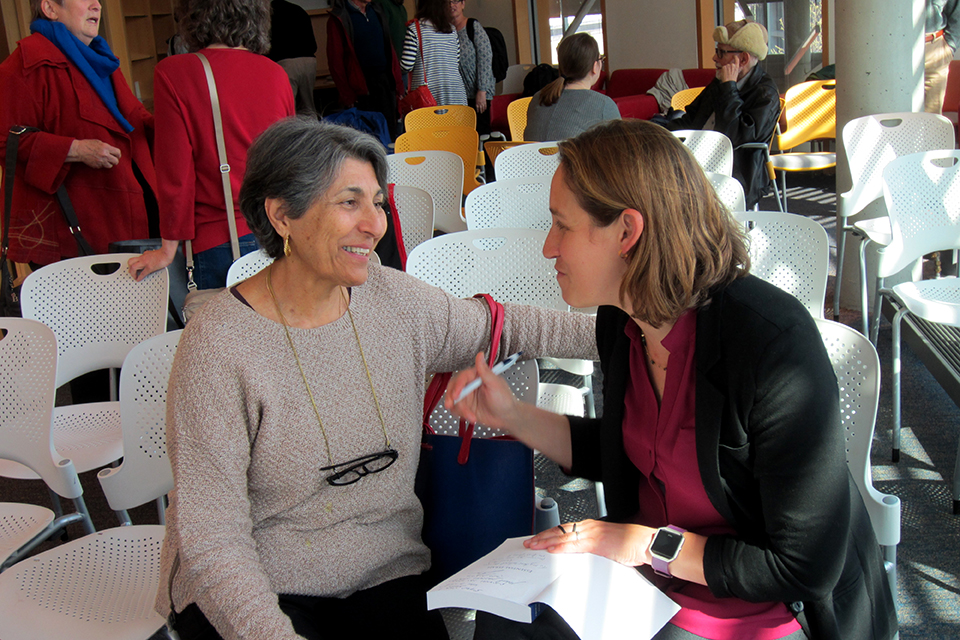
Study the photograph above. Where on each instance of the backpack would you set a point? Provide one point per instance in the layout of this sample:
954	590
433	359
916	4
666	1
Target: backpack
499	47
538	77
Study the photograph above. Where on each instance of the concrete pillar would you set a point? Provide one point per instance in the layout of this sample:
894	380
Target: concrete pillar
879	58
796	20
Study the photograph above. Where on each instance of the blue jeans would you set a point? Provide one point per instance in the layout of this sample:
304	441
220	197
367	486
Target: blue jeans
210	267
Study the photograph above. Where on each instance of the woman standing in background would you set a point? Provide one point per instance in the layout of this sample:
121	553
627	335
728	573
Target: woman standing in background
476	63
440	47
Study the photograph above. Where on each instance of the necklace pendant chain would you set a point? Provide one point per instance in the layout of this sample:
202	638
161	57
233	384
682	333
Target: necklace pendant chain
643	341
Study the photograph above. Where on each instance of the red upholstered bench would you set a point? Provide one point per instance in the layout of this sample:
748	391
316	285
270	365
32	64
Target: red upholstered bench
628	88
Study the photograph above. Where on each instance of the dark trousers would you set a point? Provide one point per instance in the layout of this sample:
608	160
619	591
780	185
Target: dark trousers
382	98
483	119
383	611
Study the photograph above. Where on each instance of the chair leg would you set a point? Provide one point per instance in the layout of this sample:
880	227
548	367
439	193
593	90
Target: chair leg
123	518
55	503
864	297
898	316
956	484
877	306
776	193
601	500
588	397
81	507
841	250
890	564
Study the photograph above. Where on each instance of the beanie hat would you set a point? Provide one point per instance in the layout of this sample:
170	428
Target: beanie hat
744	35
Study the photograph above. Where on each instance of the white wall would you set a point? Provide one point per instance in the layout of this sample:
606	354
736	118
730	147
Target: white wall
651	33
495	13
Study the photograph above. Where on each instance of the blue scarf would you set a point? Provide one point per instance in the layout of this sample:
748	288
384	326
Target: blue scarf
95	62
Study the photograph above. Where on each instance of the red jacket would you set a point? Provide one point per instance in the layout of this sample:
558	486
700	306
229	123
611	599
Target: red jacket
41	88
342	58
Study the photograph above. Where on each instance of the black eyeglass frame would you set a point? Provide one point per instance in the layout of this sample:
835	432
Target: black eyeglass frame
359	467
721	52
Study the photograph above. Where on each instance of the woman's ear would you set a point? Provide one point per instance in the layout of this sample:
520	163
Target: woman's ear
276	214
49	9
631	228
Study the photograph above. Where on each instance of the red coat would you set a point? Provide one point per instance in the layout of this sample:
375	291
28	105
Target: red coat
40	88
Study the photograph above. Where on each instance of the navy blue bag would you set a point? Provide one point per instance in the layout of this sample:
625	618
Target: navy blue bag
371	122
475	492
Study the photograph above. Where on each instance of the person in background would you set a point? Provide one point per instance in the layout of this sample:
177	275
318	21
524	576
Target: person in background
441	51
254	92
294	47
942	33
362	59
476	63
720	449
294	410
567	106
396	19
742	102
94	137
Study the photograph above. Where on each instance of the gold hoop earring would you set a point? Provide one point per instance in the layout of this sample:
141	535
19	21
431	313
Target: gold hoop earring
286	246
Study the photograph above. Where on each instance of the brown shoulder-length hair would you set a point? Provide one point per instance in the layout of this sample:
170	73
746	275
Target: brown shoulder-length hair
435	11
690	245
576	56
234	23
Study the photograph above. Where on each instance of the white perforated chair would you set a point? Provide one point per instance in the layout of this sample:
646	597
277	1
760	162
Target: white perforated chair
247	265
415	210
857	368
870	143
143	413
517	203
104	584
439	173
790	251
513	82
729	190
922	194
712	149
97	320
528	161
28	370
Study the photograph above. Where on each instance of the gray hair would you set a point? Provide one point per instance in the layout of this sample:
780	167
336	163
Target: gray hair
296	161
234	23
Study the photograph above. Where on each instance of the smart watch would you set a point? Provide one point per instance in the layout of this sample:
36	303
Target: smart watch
665	548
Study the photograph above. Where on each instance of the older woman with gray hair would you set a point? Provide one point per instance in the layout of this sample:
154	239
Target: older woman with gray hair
293	422
254	92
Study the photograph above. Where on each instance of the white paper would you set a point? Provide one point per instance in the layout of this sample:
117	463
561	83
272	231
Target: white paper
600	599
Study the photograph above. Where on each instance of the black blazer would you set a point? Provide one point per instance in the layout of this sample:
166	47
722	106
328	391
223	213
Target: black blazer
770	450
743	115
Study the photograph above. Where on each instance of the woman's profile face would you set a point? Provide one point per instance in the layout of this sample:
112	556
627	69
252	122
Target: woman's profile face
589	268
337	234
80	17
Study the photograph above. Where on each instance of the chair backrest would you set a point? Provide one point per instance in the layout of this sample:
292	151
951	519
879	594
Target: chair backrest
28	372
857	368
462	141
447	115
523	378
729	190
682	98
97	318
520	203
506	263
790	251
439	173
922	194
712	149
247	265
527	161
145	473
517	117
811	113
513	83
415	209
873	141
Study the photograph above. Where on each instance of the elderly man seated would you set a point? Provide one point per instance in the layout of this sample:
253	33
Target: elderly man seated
742	102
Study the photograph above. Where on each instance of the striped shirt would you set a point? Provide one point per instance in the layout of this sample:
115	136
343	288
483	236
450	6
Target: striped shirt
442	54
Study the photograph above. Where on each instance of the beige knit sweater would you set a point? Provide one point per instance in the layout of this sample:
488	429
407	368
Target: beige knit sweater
251	515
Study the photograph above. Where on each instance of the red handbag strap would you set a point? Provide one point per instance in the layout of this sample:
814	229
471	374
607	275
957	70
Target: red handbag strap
439	383
397	230
423	60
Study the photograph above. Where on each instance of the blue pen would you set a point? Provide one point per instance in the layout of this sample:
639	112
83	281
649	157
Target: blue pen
497	369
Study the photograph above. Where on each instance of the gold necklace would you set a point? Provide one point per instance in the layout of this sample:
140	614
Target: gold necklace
356	334
643	340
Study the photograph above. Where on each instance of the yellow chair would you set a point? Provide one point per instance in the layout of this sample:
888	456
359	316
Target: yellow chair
448	115
682	98
517	117
495	147
811	112
462	141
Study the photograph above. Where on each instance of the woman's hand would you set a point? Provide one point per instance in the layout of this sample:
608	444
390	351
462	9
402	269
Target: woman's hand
481	101
94	153
143	265
627	544
492	404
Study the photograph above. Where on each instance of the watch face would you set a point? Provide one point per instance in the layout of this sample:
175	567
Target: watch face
666	543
